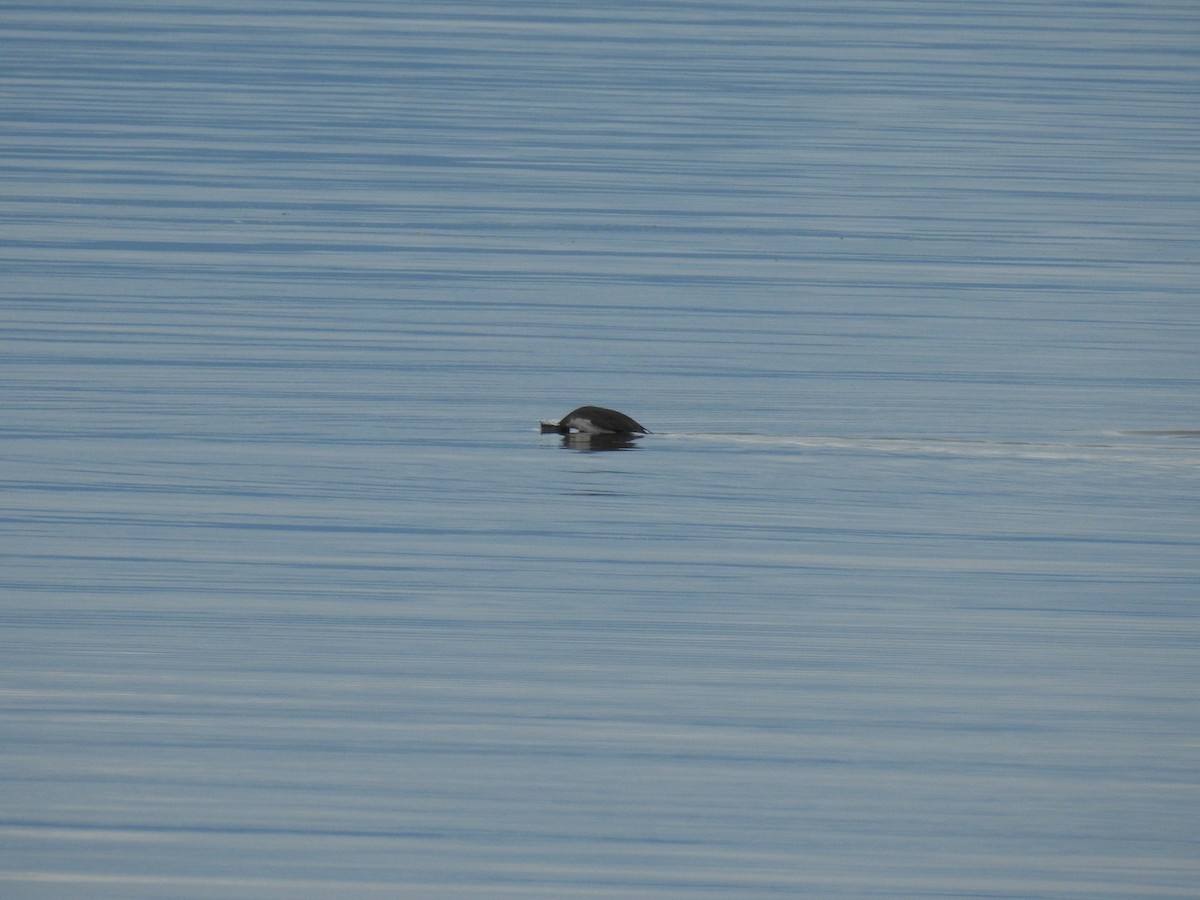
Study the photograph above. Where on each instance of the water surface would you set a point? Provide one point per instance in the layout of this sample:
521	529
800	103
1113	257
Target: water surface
899	600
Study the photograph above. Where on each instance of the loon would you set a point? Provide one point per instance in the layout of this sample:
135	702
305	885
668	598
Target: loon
594	420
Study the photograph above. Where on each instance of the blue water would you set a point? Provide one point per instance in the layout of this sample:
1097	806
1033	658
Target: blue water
901	599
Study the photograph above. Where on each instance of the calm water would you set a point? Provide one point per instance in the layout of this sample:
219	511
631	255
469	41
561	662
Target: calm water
901	600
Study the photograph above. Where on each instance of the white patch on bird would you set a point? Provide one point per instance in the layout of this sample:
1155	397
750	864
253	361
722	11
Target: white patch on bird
585	426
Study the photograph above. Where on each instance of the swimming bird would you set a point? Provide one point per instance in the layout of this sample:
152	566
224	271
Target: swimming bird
594	420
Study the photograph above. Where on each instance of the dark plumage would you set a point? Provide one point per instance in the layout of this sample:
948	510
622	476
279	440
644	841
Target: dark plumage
595	420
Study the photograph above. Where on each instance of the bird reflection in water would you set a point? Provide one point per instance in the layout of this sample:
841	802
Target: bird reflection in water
589	443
